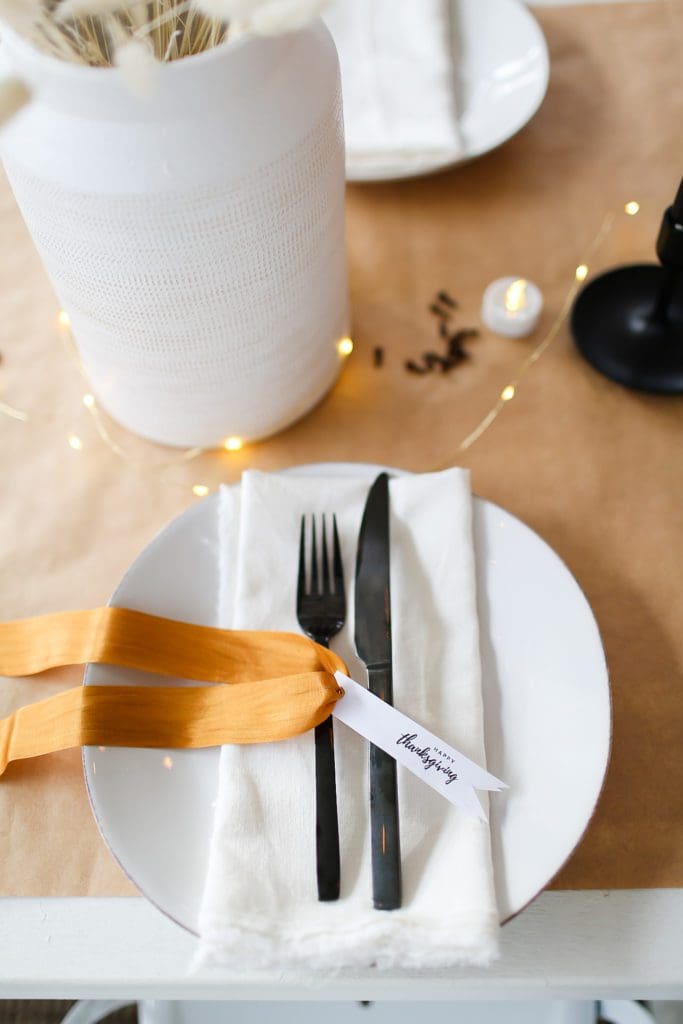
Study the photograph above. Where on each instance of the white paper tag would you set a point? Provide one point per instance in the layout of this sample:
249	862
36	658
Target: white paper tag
433	760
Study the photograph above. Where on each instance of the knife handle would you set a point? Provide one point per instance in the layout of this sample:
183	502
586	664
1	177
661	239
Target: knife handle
328	865
384	828
386	853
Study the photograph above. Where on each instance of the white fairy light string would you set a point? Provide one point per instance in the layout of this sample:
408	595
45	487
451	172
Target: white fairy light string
12	413
232	444
90	403
510	390
345	346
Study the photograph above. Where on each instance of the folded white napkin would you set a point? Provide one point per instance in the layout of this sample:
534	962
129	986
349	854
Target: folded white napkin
260	904
398	78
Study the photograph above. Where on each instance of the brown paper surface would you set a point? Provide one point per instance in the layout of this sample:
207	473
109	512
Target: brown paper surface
593	468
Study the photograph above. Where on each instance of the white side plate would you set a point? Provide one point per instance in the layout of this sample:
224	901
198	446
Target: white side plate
502	72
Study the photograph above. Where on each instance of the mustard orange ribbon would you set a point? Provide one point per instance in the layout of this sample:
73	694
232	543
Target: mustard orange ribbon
291	683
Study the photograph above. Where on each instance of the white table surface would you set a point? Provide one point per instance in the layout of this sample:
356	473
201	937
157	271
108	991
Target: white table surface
579	945
566	945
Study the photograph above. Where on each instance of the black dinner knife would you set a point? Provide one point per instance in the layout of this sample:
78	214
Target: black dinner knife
373	643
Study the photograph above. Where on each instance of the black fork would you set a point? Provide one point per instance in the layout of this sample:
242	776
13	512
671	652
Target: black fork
321	611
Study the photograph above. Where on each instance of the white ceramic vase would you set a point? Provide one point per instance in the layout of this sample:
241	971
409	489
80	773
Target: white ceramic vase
195	237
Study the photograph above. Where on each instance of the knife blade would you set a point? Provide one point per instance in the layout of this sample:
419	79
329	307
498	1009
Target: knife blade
373	644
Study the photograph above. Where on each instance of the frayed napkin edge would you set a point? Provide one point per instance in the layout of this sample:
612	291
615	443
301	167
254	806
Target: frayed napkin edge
426	948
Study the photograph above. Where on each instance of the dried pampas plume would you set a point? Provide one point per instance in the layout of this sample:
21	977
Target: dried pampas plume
262	17
13	96
134	35
138	66
18	14
278	16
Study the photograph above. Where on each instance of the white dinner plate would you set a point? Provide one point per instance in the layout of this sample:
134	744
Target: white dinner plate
502	70
546	698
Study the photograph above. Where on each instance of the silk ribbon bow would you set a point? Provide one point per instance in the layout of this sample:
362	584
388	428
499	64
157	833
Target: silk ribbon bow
283	683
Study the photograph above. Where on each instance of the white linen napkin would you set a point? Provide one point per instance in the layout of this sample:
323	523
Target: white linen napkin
260	904
398	78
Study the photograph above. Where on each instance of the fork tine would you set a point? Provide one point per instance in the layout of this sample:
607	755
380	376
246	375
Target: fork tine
301	581
337	560
327	581
315	582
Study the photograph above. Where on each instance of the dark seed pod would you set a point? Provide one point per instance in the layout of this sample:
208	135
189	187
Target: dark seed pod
447	299
433	359
413	367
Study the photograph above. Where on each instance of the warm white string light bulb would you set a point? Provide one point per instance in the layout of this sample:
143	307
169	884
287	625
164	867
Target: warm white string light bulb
345	347
14	414
510	390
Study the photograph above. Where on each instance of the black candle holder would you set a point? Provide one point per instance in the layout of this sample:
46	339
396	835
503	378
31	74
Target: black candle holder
628	322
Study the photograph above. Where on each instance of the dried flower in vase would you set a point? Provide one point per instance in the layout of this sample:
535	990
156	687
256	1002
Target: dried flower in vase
134	34
165	222
13	96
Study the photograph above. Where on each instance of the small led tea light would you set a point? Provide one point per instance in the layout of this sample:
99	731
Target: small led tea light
89	400
63	319
75	442
345	347
511	306
201	490
631	208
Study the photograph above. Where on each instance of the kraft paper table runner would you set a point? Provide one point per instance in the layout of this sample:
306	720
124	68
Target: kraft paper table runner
595	469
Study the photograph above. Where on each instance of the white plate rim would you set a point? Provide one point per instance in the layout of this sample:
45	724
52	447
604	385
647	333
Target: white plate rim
417	167
341	468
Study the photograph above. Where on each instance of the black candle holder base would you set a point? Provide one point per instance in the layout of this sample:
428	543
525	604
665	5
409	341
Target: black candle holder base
623	329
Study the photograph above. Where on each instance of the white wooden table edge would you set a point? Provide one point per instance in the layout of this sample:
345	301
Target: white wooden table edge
567	945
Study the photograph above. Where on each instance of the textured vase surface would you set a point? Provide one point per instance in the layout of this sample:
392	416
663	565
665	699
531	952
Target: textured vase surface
195	236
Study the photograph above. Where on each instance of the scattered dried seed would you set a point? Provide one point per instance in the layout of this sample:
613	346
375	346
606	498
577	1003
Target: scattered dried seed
413	367
378	356
432	359
455	351
447	299
455	346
